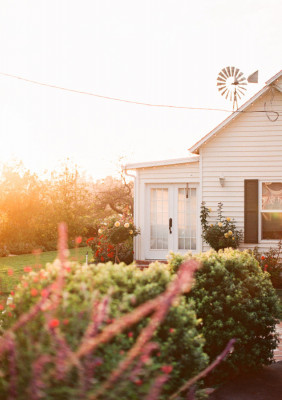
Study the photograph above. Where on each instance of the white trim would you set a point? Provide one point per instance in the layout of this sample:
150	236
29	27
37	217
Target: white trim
212	133
199	231
175	161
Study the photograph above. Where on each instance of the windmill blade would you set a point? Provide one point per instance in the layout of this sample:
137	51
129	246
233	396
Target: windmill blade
227	94
232	71
221	79
221	88
236	72
223	93
240	91
241	87
221	75
228	71
224	72
242	79
238	95
240	74
231	96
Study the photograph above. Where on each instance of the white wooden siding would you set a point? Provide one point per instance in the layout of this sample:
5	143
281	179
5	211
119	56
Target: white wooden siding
249	147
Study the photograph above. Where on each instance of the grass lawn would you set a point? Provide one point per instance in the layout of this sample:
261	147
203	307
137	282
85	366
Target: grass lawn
12	268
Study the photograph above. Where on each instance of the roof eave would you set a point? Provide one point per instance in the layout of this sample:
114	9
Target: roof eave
151	164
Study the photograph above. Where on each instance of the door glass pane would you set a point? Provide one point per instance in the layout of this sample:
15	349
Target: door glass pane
159	219
187	219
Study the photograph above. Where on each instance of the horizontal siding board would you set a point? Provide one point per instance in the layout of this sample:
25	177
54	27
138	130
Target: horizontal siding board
249	147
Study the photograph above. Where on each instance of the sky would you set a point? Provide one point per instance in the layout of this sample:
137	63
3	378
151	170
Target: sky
153	51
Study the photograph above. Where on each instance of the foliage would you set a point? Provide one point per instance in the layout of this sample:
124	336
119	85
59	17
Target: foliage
271	262
235	299
73	329
114	240
31	206
114	196
223	233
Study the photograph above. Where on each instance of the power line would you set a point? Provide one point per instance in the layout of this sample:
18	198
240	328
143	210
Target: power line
119	99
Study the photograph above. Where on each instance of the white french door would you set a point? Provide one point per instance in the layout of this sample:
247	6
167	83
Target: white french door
171	219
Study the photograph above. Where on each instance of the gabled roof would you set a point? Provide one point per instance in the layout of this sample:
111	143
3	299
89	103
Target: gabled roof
195	148
175	161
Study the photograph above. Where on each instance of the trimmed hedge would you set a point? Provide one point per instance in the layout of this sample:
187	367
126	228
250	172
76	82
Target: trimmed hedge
180	345
234	299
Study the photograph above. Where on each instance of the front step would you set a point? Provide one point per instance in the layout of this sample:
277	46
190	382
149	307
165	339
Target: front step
142	264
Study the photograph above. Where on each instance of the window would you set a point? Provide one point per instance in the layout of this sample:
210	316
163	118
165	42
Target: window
271	210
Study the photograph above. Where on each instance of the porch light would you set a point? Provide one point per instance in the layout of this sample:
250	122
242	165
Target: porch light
221	180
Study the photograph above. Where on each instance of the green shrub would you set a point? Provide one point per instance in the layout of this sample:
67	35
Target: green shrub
235	299
179	344
223	233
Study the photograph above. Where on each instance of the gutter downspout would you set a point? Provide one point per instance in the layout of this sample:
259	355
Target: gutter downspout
134	206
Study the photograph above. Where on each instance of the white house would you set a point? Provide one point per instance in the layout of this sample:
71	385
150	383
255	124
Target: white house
238	163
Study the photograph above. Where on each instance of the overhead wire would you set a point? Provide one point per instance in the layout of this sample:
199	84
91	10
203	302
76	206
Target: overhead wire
123	100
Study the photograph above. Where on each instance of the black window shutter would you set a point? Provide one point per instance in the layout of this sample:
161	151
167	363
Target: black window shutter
251	211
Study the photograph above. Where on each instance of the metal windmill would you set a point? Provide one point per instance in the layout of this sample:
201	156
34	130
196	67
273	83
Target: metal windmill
232	84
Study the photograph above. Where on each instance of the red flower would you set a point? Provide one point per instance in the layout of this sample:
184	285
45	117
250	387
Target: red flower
158	354
34	292
54	323
9	314
35	279
102	259
12	293
1	307
265	267
12	305
171	330
27	269
89	240
78	240
130	334
262	258
138	382
10	272
44	292
97	253
66	321
110	255
167	369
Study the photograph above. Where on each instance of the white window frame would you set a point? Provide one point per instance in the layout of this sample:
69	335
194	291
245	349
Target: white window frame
261	210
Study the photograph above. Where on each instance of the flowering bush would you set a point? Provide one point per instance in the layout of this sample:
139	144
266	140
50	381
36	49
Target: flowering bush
271	262
114	241
75	330
223	233
235	299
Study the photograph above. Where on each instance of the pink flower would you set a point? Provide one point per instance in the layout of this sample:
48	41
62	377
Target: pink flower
130	334
27	269
10	272
167	369
44	293
138	382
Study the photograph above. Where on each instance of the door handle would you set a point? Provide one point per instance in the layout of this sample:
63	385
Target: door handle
170	225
